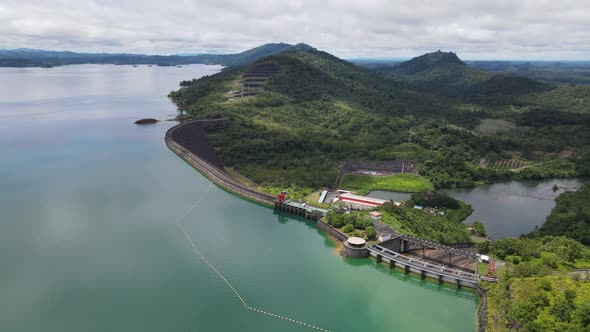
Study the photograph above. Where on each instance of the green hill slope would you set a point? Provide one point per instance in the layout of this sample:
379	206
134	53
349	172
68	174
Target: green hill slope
571	216
316	110
295	114
436	68
444	73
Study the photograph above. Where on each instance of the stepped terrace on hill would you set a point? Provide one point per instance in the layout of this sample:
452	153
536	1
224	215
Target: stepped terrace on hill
254	79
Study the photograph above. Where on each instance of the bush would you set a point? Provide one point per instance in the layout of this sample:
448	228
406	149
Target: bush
435	199
390	207
348	228
362	223
479	229
370	231
338	220
550	259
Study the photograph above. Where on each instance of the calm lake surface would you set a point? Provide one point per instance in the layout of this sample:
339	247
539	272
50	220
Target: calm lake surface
391	195
88	203
512	208
506	209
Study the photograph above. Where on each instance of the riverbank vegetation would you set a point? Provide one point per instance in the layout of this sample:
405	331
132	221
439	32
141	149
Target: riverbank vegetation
571	216
545	284
440	203
537	290
363	184
479	229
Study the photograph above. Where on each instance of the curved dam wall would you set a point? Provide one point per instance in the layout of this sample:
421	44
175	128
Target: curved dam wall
188	142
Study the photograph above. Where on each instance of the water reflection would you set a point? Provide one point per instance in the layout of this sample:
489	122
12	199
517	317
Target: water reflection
512	208
410	278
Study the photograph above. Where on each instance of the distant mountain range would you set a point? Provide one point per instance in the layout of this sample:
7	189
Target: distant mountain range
24	57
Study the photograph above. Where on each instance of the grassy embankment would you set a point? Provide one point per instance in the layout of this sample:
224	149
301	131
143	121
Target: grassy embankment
363	184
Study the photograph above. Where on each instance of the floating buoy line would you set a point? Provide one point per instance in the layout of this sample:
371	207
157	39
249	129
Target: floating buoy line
222	277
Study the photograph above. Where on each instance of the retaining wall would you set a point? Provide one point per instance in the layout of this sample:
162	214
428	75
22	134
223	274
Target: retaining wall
482	309
331	230
218	176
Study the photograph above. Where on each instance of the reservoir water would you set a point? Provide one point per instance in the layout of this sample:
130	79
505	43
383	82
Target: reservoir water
512	208
391	195
506	209
88	240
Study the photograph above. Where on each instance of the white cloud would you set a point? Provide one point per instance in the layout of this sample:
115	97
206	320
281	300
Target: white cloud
527	29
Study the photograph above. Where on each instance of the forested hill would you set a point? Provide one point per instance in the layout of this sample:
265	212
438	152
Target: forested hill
444	73
571	216
434	66
295	114
544	285
41	58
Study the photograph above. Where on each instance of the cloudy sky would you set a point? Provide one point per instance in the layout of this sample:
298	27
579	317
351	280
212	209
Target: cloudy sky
491	29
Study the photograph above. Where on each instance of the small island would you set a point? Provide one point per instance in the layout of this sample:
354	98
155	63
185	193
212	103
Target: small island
146	121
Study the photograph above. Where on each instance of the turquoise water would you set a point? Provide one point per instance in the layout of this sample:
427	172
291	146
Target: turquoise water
88	242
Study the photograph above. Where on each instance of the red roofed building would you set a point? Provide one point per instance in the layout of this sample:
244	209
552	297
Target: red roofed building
356	202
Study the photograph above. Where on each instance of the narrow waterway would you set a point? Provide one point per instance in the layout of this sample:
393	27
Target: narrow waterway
88	242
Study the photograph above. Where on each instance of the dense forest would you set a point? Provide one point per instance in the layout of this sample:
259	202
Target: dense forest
539	288
567	72
571	216
291	129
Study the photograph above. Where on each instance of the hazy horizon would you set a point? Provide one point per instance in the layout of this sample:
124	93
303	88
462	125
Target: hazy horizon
499	30
374	59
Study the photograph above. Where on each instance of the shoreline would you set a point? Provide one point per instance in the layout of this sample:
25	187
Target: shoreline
210	170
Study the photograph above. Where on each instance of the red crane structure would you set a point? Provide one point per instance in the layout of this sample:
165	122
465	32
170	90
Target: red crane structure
281	196
491	270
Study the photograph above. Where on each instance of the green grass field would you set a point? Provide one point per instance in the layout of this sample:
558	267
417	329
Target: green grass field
363	184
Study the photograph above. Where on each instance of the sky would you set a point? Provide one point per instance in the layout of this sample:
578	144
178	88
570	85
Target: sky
491	29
